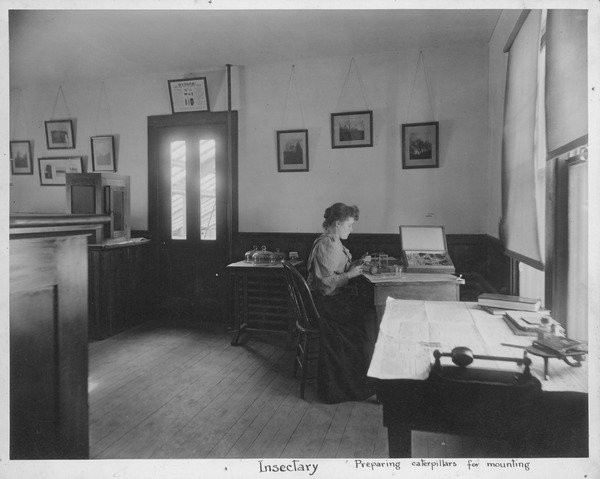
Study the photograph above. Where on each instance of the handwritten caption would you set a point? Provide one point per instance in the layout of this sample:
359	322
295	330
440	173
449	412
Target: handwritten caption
311	468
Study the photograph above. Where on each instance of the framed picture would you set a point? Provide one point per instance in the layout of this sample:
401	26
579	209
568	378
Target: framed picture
292	150
352	129
103	153
189	94
420	145
59	134
53	170
20	158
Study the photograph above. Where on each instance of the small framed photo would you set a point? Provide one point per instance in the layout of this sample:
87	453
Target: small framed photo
53	170
420	145
20	158
103	153
292	150
189	94
59	134
352	129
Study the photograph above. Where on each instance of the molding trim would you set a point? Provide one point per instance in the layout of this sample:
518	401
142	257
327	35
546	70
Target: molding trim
516	29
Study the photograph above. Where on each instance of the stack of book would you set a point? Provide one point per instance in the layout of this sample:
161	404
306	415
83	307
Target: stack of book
522	315
505	301
562	346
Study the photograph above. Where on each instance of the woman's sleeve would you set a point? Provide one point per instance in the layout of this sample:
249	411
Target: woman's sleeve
324	262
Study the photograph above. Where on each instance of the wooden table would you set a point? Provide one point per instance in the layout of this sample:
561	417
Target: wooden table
259	299
375	289
409	333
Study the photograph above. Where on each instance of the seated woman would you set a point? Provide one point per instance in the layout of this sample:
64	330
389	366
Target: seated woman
346	328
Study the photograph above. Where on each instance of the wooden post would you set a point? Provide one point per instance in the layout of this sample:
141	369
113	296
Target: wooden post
229	171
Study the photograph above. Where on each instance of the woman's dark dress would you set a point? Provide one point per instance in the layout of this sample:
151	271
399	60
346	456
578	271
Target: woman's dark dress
346	338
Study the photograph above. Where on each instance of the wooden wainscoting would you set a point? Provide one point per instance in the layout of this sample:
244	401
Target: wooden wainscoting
479	258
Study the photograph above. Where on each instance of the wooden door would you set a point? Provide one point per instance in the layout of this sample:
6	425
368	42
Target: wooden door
192	223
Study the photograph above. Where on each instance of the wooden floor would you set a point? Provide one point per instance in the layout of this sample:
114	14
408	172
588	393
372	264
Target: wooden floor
181	392
157	392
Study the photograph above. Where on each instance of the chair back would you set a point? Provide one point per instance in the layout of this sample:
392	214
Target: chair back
307	315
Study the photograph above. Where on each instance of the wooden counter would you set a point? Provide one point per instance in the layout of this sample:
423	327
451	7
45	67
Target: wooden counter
122	275
48	347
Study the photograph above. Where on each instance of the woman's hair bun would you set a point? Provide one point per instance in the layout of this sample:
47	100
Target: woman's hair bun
339	212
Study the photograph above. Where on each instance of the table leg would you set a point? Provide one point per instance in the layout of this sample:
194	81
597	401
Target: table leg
546	375
399	441
236	338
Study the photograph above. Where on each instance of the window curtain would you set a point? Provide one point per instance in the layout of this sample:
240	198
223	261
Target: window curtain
566	83
567	137
524	145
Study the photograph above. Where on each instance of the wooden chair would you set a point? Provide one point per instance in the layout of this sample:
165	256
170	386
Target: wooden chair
307	326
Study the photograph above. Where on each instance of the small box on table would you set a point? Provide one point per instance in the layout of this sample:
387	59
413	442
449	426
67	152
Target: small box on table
424	249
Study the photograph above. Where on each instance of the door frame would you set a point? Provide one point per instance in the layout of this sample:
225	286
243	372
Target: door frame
155	124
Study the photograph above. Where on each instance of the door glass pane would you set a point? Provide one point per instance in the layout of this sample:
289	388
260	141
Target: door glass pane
178	222
208	191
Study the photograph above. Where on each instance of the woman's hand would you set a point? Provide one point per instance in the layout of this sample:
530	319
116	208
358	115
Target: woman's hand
354	271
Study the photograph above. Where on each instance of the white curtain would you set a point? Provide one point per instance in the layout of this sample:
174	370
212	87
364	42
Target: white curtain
577	289
567	78
567	129
524	144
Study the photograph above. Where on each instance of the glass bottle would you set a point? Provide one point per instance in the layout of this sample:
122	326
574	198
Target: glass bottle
544	329
248	255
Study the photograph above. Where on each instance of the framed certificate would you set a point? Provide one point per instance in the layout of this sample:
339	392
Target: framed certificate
189	94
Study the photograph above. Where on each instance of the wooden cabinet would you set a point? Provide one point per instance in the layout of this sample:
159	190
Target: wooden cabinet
48	347
122	286
260	299
101	193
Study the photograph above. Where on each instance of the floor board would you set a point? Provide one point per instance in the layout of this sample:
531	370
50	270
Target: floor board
182	392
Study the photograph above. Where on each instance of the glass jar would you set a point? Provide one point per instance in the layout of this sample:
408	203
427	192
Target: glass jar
262	257
278	256
248	255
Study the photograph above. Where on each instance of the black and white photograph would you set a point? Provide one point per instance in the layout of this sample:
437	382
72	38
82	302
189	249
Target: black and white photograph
59	134
352	129
53	171
20	158
292	150
420	145
199	291
103	153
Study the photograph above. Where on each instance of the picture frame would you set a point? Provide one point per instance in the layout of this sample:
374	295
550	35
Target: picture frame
352	129
189	94
103	153
420	145
53	170
20	157
59	134
292	150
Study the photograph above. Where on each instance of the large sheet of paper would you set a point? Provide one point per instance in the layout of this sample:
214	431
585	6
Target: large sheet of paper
411	330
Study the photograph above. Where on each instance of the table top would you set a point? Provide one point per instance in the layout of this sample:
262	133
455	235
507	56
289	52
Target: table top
390	278
411	330
245	265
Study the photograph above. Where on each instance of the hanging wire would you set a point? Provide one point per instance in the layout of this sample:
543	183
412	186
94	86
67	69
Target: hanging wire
18	120
102	94
421	61
58	93
292	83
363	90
